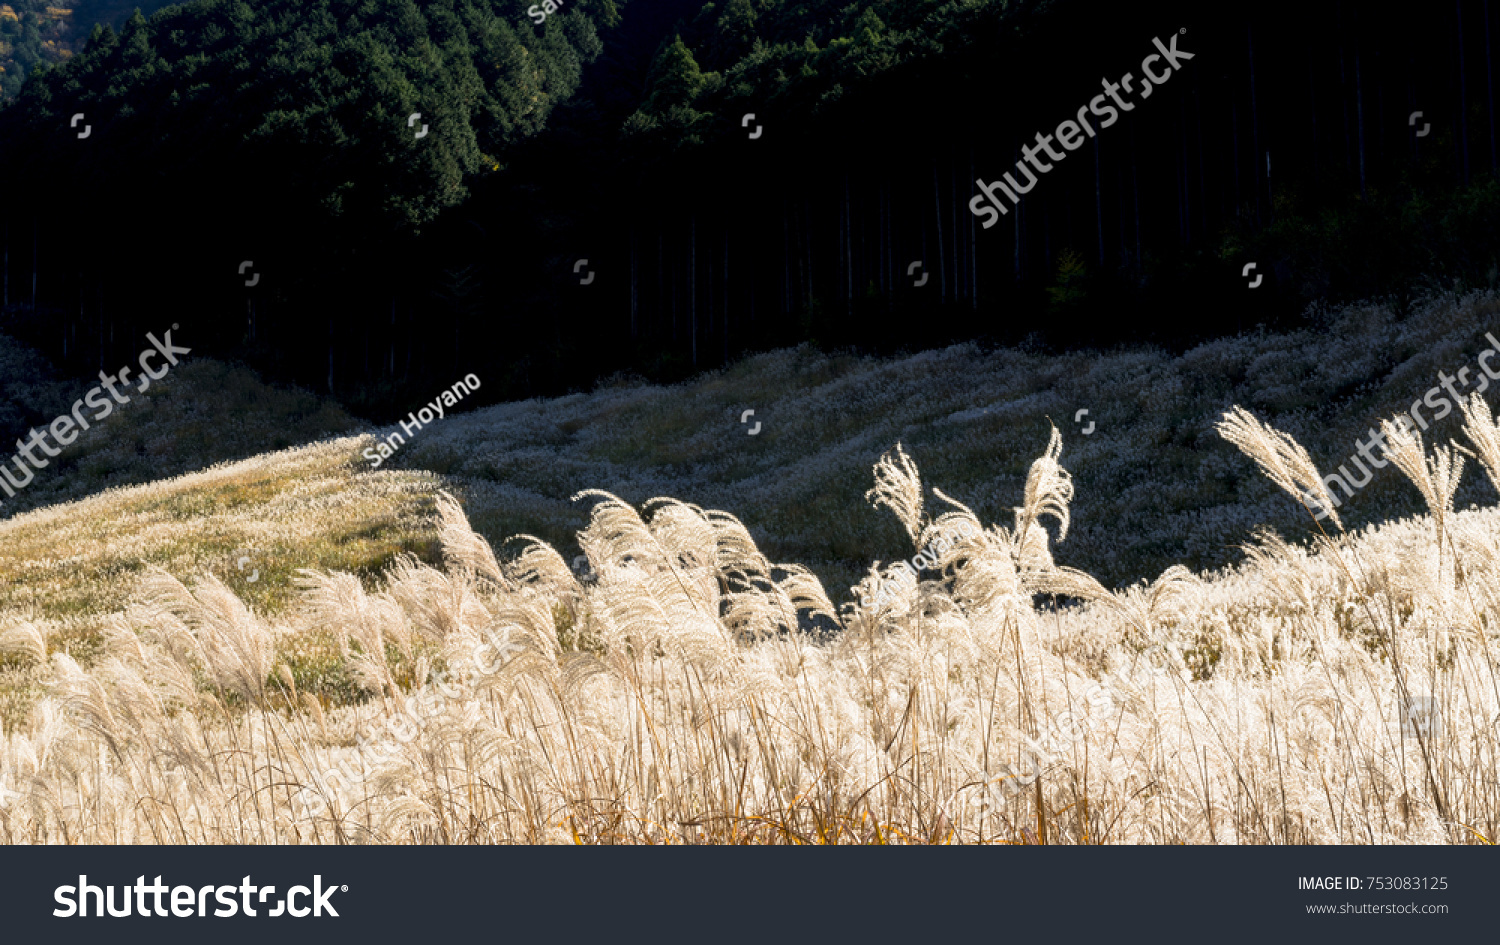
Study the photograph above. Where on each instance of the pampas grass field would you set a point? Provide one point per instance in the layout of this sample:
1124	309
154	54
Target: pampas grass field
394	676
668	696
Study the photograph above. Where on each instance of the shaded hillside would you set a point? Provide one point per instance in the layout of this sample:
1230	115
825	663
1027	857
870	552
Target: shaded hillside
1156	485
203	412
663	694
39	33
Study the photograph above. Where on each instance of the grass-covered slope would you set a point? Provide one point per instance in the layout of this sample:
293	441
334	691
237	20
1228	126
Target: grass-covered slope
1346	696
203	412
1156	485
1260	706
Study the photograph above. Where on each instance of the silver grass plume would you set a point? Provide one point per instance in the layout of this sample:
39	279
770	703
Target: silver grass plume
85	699
338	604
438	605
1049	489
982	561
1484	433
1436	478
462	546
758	601
24	639
1281	458
236	650
898	487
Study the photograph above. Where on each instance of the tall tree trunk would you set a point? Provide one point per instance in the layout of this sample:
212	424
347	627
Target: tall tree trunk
754	268
1411	101
1380	112
937	205
848	246
1359	110
634	289
1135	183
794	283
1185	220
1098	203
33	263
864	249
890	247
1463	99
1202	181
926	259
1047	234
1020	209
807	244
1312	103
1017	241
838	250
1234	125
1123	250
1489	83
786	261
391	368
1254	123
959	283
6	264
693	283
973	250
724	278
1343	85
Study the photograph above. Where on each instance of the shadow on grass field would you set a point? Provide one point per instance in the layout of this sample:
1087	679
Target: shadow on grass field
1156	485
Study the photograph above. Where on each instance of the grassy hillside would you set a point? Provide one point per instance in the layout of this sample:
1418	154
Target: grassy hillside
203	412
1156	485
267	609
1341	697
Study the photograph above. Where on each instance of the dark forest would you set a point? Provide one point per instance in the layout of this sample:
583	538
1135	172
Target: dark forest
384	263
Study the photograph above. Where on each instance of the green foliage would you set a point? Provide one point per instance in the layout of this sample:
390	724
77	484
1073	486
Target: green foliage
319	90
675	78
1417	233
1068	288
800	57
40	33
